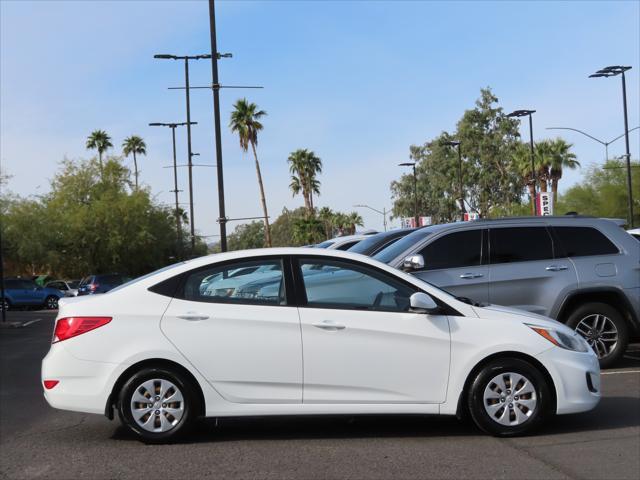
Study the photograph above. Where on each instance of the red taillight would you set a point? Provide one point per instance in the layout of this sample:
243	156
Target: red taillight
93	286
74	326
49	384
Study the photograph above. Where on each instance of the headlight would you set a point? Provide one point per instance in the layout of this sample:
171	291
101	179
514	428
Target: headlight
560	339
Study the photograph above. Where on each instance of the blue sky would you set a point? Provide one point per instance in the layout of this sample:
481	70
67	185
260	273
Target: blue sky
357	82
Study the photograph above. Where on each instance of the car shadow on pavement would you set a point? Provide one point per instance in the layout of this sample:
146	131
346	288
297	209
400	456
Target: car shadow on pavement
612	413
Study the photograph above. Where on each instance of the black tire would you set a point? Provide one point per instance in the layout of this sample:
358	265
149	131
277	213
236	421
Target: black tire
482	380
51	302
6	304
587	311
190	404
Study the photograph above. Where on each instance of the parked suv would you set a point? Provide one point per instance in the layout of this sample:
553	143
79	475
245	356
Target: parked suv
100	283
20	292
582	271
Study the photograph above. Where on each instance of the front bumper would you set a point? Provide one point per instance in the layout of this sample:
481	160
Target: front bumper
576	377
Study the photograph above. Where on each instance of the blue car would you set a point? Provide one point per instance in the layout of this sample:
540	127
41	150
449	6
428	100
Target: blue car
92	284
19	292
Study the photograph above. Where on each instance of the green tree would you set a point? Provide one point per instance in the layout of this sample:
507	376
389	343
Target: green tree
304	167
134	145
245	121
521	157
326	216
307	230
248	235
101	141
561	157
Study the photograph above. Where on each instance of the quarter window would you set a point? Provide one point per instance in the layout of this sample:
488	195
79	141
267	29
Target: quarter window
584	241
457	249
522	244
337	284
250	282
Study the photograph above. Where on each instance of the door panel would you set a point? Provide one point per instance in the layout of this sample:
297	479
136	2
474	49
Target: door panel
470	282
232	323
374	357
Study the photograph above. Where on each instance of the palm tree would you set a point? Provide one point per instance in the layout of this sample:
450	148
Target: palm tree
245	121
326	215
135	145
304	165
522	162
561	157
543	158
354	220
101	141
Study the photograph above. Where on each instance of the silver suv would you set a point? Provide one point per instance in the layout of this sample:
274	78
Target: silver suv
582	271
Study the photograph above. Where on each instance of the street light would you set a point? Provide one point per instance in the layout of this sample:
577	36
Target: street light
524	113
602	142
383	213
612	71
186	58
454	143
415	189
173	126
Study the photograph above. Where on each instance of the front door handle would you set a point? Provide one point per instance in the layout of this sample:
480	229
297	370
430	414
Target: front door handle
471	275
556	268
194	317
329	325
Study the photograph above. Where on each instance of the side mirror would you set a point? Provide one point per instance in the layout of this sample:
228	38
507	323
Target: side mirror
413	262
422	303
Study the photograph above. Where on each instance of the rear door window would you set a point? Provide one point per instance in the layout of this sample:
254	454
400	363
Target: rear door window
584	241
454	250
519	244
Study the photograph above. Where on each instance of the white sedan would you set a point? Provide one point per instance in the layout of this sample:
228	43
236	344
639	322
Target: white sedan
334	333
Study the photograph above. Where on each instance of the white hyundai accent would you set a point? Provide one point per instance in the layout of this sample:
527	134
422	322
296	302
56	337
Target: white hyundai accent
329	333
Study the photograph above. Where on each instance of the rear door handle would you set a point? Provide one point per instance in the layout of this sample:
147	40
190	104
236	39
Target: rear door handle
329	325
556	268
194	317
471	275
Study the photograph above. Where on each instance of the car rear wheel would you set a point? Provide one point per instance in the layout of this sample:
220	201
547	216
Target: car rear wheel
157	405
508	397
51	302
604	328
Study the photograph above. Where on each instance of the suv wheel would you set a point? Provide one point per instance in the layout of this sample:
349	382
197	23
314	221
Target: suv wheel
157	404
509	397
604	328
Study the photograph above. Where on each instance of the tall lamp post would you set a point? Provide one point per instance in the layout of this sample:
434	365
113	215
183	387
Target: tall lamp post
524	113
175	190
601	142
612	71
186	59
383	213
415	190
454	143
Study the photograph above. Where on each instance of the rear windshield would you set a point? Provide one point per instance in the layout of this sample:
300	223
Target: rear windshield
398	248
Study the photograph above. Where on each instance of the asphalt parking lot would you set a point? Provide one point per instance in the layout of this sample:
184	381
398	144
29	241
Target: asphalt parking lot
37	441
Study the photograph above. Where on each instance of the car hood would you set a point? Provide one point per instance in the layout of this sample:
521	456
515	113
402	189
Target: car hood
498	312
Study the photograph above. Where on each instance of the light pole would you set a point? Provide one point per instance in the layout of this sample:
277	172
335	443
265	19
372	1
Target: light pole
186	59
524	113
601	142
454	143
415	190
173	126
383	213
612	71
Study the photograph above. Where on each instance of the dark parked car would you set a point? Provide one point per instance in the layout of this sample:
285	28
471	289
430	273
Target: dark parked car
373	244
101	283
20	292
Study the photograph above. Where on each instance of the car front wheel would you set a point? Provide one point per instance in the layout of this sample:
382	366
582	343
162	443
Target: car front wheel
51	302
508	397
157	405
604	328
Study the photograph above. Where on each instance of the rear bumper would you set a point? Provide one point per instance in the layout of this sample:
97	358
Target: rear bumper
83	385
576	377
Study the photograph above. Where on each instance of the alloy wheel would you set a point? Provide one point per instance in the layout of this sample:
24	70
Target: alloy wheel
600	332
157	405
52	303
510	399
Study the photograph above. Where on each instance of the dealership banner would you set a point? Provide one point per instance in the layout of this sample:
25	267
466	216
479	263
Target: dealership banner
410	222
544	203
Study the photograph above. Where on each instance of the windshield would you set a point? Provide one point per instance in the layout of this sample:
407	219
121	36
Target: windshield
375	242
398	248
325	244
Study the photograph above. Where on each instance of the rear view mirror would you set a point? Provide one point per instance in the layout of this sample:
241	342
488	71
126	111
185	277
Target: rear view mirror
413	262
422	303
